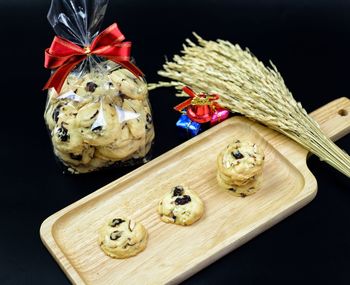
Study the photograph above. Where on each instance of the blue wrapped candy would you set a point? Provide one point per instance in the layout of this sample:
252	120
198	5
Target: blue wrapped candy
192	128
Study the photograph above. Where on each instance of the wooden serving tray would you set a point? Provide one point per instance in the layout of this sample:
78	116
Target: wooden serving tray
173	252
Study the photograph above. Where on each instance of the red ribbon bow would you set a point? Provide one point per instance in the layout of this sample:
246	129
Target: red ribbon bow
201	99
64	55
200	107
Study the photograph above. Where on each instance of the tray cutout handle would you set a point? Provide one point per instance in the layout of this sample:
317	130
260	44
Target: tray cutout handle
334	118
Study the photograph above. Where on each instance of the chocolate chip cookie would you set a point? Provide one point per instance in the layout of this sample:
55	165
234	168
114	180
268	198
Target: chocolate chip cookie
180	206
240	167
122	238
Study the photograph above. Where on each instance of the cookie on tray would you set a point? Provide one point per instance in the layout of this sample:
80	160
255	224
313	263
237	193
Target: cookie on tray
241	190
240	167
241	160
122	238
180	206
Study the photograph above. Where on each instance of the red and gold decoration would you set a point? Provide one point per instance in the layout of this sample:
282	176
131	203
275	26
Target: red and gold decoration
200	109
64	56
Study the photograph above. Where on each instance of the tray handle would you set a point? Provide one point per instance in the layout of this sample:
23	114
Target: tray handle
334	118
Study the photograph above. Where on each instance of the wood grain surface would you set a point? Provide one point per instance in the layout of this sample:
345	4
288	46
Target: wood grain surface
173	252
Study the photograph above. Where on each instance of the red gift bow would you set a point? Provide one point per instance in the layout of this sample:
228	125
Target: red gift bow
201	107
201	99
64	55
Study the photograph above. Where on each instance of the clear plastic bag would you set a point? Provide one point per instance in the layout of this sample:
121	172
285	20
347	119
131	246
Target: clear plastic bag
101	116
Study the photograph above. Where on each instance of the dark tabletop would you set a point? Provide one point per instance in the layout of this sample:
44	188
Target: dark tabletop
309	43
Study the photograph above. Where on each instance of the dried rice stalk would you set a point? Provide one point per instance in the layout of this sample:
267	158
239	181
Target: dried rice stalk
248	87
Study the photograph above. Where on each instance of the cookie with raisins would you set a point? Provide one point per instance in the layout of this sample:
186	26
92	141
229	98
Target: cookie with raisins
146	146
95	86
181	206
128	84
98	123
122	148
240	161
138	122
240	167
51	114
59	104
65	135
84	157
122	238
241	190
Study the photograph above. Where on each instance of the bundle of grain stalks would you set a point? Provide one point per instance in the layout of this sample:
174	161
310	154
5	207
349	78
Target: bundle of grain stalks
248	87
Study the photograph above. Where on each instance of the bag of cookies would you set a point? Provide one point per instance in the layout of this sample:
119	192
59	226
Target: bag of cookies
97	112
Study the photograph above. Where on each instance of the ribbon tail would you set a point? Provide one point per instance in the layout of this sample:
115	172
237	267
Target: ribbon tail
183	105
58	77
128	65
132	68
189	91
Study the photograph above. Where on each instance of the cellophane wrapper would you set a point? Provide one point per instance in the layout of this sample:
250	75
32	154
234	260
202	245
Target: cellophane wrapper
102	116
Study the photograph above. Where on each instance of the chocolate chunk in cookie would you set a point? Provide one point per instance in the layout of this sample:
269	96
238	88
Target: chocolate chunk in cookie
62	133
178	190
97	129
183	200
56	112
149	118
91	87
76	156
115	235
116	222
237	155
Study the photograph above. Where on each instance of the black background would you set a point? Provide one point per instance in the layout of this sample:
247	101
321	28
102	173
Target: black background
309	43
